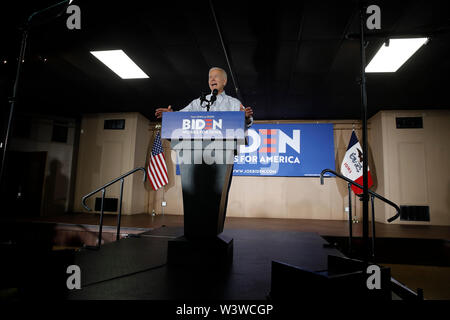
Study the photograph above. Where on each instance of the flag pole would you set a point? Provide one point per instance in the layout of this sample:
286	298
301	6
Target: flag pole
160	176
164	187
158	128
162	207
155	132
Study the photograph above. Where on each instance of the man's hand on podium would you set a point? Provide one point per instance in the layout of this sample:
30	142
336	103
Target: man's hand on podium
160	111
248	112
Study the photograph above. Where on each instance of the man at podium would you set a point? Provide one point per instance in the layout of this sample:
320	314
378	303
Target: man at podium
217	80
206	169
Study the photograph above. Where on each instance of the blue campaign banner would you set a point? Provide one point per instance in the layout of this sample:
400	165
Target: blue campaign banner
201	125
286	150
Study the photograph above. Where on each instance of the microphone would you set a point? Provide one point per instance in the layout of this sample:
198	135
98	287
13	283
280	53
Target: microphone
210	101
214	95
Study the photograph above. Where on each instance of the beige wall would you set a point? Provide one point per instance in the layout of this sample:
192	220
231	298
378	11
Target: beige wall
412	165
106	154
142	149
276	197
409	166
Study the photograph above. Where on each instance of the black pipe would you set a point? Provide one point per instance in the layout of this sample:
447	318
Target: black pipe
13	99
120	210
373	225
236	88
100	227
365	197
350	230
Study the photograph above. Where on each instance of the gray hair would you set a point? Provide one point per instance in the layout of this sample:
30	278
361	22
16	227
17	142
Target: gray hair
221	70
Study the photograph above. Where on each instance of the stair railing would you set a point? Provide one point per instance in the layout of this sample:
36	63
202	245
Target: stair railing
372	196
103	190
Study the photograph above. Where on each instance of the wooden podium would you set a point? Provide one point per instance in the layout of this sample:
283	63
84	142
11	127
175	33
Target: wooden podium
205	144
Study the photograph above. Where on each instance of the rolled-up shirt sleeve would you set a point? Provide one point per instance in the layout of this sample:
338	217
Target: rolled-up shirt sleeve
247	124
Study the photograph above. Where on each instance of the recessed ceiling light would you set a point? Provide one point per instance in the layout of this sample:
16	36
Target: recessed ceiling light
120	63
390	58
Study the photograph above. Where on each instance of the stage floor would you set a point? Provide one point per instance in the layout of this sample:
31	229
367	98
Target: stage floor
122	270
322	227
135	268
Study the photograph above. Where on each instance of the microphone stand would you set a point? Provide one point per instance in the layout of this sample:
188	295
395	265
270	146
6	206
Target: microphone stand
13	99
202	100
208	102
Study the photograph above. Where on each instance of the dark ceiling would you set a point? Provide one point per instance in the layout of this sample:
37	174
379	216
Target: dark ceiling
291	59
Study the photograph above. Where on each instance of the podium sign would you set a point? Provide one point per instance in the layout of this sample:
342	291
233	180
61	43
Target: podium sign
203	125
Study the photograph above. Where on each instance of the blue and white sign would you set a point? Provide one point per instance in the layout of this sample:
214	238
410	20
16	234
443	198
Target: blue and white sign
286	150
203	125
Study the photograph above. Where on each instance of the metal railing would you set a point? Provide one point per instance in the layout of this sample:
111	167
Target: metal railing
372	196
404	292
103	190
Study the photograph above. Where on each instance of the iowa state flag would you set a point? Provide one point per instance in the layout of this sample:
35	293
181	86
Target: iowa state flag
352	165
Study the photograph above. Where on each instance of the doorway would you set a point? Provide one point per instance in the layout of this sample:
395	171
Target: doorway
24	183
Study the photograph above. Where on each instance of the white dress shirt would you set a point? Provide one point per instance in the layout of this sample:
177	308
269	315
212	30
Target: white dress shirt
223	102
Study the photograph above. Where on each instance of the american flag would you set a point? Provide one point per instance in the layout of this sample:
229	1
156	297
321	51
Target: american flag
157	169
